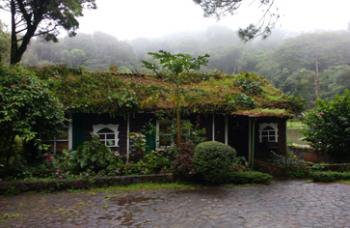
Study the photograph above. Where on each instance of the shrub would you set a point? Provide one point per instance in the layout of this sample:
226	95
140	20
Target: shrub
92	157
183	163
291	166
28	109
240	100
155	162
137	146
249	84
249	177
329	176
213	161
328	126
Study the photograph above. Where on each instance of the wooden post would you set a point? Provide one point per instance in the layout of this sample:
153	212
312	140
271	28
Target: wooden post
70	134
251	142
157	134
213	128
127	138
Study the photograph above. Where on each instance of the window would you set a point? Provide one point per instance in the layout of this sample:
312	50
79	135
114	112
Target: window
108	134
268	132
165	133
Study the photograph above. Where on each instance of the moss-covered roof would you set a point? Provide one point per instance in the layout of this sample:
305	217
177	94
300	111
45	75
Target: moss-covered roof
101	92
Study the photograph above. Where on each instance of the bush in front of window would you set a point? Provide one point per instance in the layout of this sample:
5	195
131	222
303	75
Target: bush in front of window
183	163
156	162
213	161
137	146
91	157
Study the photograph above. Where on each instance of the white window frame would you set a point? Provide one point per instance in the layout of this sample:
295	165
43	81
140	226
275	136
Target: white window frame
158	135
274	126
113	128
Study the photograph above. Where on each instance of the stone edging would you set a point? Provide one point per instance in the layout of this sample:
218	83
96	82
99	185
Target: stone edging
9	187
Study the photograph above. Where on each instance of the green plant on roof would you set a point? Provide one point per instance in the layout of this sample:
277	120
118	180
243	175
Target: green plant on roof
248	84
174	67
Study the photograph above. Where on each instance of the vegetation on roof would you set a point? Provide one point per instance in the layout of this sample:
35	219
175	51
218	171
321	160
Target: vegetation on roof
99	92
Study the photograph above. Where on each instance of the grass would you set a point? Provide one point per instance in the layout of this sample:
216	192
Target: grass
330	176
148	186
344	182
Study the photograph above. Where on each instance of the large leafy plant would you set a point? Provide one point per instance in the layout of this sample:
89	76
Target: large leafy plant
28	109
328	126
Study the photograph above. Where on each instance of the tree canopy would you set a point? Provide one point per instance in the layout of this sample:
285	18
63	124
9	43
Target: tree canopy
45	18
262	27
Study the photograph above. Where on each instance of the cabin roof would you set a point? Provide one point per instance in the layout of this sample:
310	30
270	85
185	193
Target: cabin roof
244	94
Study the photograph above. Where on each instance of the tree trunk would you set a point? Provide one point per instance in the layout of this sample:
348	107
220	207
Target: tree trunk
17	51
14	44
317	80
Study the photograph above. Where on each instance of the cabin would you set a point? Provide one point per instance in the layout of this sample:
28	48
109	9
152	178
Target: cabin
244	111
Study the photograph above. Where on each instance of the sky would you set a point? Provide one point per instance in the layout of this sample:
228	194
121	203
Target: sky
130	19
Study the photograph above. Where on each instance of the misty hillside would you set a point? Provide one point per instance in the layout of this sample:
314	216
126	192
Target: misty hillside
289	61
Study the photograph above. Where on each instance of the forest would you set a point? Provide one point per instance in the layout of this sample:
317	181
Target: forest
305	65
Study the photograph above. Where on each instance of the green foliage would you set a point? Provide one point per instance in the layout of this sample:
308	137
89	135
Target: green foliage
329	176
240	101
91	157
249	177
183	163
42	18
137	146
291	166
5	43
328	126
156	162
175	64
248	84
28	109
213	161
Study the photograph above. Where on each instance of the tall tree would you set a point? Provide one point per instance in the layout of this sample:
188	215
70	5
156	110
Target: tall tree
45	18
269	15
175	66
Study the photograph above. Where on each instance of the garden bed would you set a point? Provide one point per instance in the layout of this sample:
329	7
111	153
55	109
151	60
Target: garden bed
18	186
329	176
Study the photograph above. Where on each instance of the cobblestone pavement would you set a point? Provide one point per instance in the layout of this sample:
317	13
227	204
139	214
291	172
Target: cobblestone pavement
281	204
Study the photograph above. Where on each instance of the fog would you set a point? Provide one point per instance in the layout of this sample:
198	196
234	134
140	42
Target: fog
155	18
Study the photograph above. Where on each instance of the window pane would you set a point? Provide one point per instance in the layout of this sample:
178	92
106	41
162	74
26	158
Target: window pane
272	138
110	143
110	136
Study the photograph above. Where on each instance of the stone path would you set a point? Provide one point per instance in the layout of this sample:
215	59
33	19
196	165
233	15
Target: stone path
281	204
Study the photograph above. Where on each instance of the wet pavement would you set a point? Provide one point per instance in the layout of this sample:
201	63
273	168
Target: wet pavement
281	204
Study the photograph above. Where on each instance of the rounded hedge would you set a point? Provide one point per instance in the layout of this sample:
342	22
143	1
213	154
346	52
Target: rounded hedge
213	160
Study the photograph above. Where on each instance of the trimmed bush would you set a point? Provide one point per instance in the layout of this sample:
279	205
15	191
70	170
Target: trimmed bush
213	161
249	177
329	176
